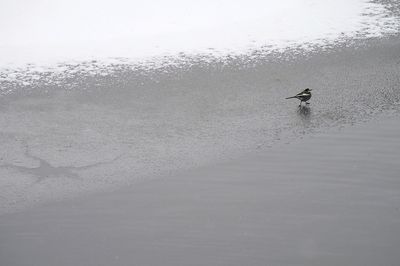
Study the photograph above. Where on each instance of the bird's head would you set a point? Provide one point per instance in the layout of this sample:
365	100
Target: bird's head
307	90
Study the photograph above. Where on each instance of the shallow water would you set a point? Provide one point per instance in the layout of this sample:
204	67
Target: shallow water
92	126
59	140
331	199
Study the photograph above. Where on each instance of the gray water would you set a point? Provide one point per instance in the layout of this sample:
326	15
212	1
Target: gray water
94	127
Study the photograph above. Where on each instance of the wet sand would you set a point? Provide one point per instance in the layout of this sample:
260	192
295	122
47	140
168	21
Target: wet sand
328	199
219	168
94	133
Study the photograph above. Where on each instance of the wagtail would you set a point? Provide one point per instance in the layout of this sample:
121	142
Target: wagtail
303	96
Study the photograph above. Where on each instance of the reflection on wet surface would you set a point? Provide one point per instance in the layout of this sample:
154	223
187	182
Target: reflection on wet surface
184	113
304	111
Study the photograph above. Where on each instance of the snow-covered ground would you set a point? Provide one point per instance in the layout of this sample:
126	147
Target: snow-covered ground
49	31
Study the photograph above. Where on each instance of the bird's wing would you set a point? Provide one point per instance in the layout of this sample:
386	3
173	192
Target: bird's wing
301	93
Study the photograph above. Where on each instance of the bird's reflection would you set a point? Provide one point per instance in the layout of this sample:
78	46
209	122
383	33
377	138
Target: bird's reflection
304	112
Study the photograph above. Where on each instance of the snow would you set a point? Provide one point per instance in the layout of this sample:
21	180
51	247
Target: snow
46	32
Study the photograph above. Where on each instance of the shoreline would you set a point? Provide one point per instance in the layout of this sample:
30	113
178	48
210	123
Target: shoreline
328	199
200	160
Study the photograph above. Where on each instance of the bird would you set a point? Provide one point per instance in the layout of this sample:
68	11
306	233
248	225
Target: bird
303	96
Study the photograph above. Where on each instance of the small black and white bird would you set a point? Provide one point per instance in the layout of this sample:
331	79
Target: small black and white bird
303	96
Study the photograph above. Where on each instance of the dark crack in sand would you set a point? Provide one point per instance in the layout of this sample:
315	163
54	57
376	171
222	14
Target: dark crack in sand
45	170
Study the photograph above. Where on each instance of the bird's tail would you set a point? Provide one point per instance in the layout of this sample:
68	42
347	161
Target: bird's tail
291	97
